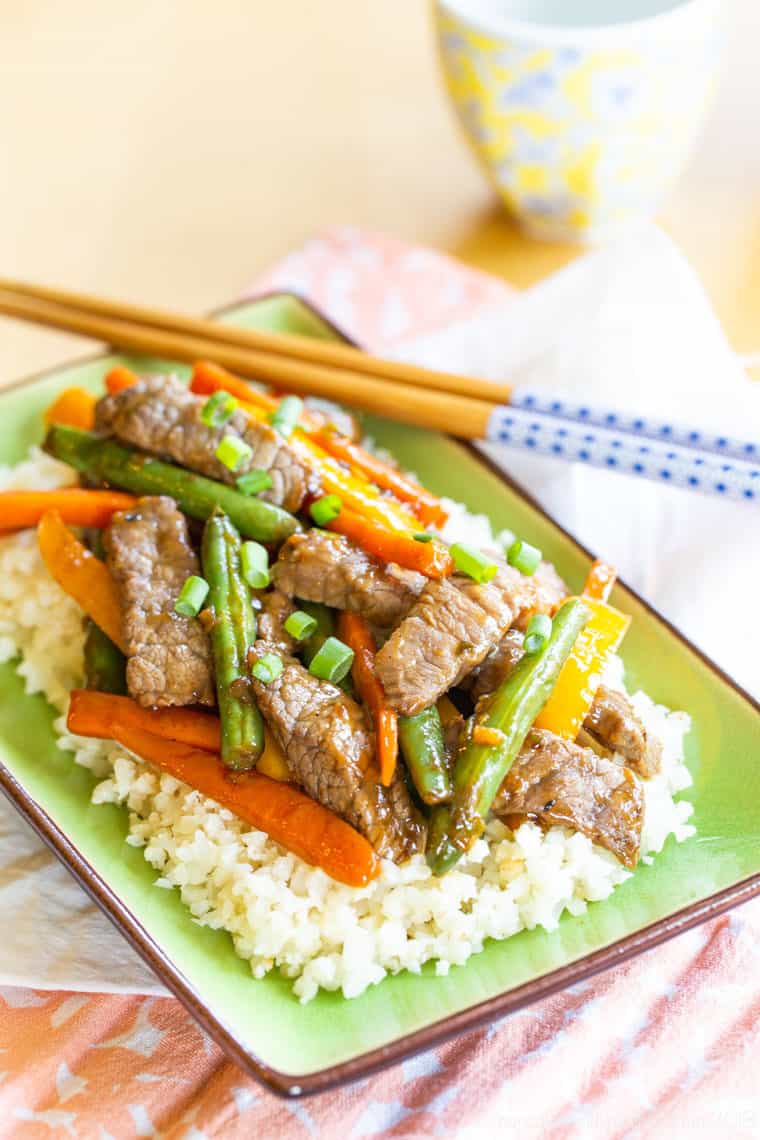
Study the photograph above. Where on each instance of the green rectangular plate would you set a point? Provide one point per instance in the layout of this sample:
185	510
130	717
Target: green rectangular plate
301	1049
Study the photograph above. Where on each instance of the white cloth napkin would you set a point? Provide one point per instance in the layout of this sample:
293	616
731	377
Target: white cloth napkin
630	326
630	322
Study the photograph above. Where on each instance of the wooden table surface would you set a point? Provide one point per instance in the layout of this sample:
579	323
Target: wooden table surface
169	151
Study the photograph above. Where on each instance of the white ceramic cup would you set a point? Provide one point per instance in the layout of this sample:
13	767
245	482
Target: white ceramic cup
582	112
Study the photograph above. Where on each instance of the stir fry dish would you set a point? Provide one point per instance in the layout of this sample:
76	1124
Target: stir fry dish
275	618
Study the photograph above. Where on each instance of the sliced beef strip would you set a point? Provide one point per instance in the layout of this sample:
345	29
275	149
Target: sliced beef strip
543	592
149	556
160	415
276	608
554	781
330	753
497	666
324	567
613	724
449	630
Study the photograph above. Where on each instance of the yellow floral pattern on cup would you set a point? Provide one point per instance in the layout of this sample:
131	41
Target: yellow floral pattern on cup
579	139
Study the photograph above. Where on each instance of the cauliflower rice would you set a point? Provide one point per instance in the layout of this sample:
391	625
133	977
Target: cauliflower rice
279	911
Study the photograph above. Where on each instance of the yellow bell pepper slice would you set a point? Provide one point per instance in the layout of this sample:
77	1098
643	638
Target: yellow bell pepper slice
272	760
569	704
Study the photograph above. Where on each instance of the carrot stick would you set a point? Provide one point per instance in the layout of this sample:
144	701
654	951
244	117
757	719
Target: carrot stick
424	504
600	580
287	815
95	714
429	558
76	506
120	378
81	575
74	407
209	378
354	631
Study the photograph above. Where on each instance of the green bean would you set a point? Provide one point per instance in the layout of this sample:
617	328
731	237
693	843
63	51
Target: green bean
511	710
142	474
421	740
233	632
104	664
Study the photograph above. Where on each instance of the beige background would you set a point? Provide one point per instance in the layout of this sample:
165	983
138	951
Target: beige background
167	150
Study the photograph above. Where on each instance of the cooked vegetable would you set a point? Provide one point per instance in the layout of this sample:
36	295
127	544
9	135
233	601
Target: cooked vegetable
107	461
208	378
511	710
573	695
254	562
192	596
524	557
600	580
83	576
538	633
422	746
482	734
284	418
332	661
218	409
98	713
324	510
431	558
267	669
425	505
74	407
288	816
76	506
105	665
325	627
357	635
473	562
120	378
253	482
232	633
300	625
233	451
422	536
356	492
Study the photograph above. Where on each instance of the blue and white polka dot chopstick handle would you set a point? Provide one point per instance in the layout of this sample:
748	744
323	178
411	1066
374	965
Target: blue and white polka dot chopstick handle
644	427
627	454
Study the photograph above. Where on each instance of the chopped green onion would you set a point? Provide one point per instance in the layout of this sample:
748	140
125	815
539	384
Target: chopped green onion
254	481
285	416
300	625
218	409
423	536
254	562
191	596
326	509
332	661
232	451
524	557
267	669
473	562
538	633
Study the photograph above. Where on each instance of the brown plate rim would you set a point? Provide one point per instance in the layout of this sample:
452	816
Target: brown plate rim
474	1017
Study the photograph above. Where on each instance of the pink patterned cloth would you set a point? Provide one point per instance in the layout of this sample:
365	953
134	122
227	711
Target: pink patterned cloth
665	1046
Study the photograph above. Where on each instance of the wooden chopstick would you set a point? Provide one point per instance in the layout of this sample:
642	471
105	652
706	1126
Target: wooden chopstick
325	353
422	406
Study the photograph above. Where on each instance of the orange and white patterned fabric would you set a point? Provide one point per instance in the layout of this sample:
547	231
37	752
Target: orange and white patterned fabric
665	1046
